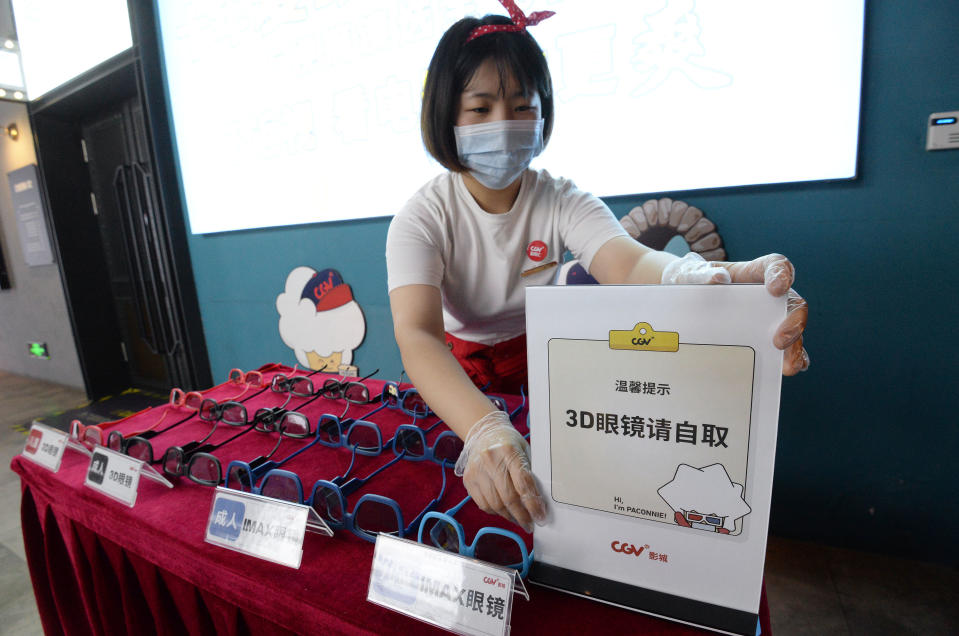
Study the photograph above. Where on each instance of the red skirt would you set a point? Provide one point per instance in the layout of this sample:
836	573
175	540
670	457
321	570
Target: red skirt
500	368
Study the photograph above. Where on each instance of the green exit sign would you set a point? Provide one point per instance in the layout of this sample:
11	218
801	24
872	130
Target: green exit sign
38	350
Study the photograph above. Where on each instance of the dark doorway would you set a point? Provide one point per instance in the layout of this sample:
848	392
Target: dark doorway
123	260
119	168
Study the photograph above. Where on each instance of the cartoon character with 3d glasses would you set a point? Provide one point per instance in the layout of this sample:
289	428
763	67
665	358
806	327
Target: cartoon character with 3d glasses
705	499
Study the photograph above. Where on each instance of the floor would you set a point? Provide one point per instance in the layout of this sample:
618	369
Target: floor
813	589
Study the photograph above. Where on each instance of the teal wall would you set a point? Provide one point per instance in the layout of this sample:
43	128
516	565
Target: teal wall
240	274
868	436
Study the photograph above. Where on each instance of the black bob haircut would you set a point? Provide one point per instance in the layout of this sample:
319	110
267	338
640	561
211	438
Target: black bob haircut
454	63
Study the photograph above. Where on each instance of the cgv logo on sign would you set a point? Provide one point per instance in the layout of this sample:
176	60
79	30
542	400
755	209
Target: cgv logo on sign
627	548
33	442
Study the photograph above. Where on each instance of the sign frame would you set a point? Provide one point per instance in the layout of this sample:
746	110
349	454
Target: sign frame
42	437
652	565
122	482
297	518
413	579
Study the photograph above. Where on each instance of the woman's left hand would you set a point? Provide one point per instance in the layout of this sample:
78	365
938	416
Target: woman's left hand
777	274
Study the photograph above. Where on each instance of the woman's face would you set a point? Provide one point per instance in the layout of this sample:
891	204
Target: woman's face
482	100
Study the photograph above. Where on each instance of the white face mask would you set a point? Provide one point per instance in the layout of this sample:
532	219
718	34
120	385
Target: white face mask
496	153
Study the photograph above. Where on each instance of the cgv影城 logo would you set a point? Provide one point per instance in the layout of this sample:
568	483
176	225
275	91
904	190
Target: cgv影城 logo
628	548
537	250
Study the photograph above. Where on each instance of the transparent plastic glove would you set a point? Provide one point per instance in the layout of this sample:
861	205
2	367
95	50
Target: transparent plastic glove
495	469
776	273
693	269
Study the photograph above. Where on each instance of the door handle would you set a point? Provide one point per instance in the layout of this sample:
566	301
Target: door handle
121	189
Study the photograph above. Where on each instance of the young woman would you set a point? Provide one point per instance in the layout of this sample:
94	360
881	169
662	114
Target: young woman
459	252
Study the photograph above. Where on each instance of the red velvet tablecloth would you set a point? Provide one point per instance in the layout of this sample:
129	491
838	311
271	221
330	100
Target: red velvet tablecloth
99	567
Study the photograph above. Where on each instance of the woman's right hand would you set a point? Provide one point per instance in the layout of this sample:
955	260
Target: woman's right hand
495	468
495	462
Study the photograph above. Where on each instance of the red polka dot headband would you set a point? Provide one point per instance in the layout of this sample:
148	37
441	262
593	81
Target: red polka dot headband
520	21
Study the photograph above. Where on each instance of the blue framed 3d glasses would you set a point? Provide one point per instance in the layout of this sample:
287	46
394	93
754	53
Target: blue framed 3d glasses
371	515
491	544
277	483
410	441
412	403
500	402
286	485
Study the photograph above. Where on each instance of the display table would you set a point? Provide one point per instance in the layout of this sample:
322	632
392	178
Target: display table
100	567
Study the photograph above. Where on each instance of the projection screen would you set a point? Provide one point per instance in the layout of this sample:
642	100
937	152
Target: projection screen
303	112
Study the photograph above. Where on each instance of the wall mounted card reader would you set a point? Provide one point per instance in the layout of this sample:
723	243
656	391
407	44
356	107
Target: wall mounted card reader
943	133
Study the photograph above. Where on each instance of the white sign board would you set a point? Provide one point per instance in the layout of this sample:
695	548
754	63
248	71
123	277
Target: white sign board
462	595
259	526
654	412
31	215
114	474
45	446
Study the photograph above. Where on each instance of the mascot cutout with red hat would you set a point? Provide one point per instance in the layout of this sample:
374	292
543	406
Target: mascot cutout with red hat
320	320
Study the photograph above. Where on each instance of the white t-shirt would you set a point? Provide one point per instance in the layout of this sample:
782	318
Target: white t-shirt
443	238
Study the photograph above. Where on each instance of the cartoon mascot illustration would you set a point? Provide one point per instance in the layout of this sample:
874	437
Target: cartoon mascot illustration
705	499
319	319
